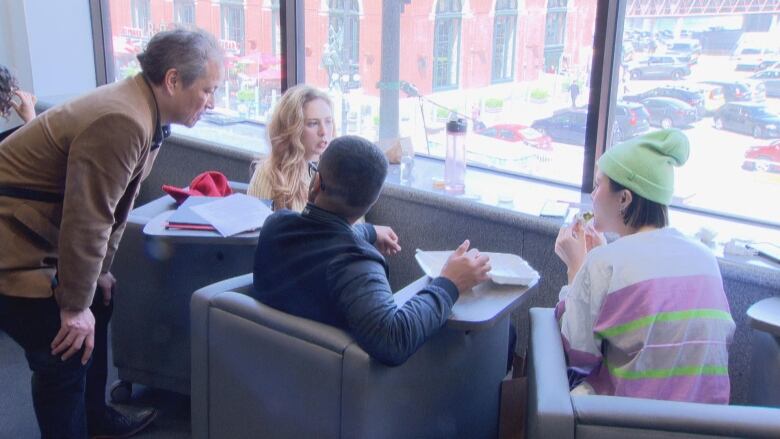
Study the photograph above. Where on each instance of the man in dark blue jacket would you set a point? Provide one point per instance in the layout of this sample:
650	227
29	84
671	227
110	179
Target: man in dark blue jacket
317	265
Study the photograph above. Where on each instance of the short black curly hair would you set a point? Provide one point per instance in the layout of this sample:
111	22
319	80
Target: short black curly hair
8	85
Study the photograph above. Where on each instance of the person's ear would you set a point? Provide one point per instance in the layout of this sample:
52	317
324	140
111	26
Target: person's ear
171	80
626	197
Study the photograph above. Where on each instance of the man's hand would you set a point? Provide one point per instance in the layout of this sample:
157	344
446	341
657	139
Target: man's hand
77	329
25	108
466	268
386	241
106	283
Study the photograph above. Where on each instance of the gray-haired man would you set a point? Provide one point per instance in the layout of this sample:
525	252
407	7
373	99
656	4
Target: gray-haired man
68	180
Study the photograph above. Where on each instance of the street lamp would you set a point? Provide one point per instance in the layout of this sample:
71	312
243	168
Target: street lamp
345	83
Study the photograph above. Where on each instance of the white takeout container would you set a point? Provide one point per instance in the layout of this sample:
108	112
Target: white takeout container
506	268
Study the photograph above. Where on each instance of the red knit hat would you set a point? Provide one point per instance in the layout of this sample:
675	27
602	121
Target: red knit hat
208	184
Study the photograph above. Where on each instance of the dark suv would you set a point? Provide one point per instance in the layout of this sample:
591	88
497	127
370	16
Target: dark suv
660	67
567	126
694	98
747	118
630	119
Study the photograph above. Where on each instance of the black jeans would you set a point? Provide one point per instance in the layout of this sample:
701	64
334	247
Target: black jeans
97	375
57	386
64	393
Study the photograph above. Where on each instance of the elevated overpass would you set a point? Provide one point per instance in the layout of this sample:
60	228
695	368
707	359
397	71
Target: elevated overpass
688	8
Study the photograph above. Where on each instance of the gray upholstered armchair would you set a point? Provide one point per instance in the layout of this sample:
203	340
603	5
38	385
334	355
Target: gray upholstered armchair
554	413
258	372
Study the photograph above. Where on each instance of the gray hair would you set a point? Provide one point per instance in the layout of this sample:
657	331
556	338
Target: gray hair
187	50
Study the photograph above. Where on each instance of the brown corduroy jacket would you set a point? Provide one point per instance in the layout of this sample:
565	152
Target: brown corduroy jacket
94	150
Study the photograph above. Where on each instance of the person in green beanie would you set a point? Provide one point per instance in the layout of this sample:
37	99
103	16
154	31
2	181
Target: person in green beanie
645	315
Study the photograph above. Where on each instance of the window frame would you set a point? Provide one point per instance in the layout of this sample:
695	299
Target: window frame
610	20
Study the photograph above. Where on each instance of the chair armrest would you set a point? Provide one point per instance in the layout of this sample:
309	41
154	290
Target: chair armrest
199	325
550	412
221	310
674	416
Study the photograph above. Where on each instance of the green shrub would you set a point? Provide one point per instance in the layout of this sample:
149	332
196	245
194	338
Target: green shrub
539	94
494	103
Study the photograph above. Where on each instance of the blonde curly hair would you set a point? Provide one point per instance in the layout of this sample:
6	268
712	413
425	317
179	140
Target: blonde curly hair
284	175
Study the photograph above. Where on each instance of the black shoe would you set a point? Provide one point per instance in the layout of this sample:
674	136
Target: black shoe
111	424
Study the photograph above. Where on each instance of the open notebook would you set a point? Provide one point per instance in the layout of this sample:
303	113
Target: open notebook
185	218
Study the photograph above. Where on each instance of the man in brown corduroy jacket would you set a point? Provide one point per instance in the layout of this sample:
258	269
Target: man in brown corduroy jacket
68	180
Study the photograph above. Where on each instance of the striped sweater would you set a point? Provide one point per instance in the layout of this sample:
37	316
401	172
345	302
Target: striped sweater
646	316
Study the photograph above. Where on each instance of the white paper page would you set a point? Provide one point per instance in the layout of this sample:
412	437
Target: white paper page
234	214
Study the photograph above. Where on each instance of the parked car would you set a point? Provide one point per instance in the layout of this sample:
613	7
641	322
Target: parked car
771	80
737	91
748	118
763	158
754	58
713	97
688	48
630	119
660	67
669	112
692	97
567	126
518	133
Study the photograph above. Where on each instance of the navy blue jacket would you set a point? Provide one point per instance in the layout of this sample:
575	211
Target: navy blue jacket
315	265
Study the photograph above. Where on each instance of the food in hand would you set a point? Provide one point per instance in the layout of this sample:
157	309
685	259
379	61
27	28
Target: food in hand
584	216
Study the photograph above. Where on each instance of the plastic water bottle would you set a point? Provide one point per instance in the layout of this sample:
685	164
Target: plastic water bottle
407	169
455	160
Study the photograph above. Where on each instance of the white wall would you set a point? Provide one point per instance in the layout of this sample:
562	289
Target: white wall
48	45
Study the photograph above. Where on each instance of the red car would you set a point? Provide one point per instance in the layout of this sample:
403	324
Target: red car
763	158
518	133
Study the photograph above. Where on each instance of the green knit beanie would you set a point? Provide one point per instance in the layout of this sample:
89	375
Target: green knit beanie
644	164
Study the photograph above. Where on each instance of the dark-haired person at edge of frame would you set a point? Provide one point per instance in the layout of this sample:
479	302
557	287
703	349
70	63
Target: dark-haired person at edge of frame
68	180
9	94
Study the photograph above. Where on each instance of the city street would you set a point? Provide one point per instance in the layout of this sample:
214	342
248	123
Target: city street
713	178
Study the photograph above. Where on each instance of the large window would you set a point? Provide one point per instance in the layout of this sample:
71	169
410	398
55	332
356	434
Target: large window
710	70
504	26
715	77
249	32
446	44
520	116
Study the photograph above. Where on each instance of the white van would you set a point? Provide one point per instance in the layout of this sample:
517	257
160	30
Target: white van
756	51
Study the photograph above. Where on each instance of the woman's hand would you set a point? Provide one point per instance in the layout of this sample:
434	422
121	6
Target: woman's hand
386	241
25	108
593	238
571	247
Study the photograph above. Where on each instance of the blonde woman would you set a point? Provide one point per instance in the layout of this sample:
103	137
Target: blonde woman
300	129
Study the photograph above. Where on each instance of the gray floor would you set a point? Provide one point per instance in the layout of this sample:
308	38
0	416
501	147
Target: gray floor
17	419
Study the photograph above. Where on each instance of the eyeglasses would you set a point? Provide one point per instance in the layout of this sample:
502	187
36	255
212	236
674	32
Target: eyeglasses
314	170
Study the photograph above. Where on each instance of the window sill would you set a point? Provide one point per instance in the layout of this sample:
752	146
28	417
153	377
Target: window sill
505	194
